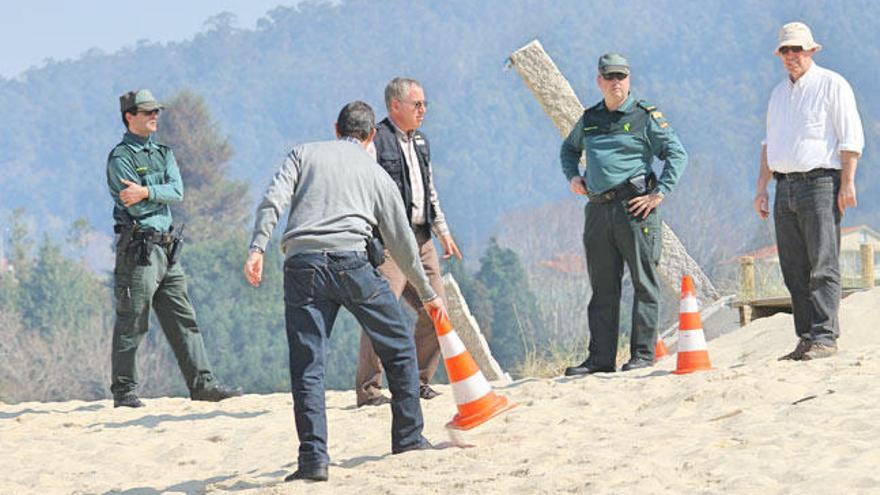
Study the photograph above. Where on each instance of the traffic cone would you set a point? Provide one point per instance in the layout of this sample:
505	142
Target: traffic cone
660	350
692	352
476	401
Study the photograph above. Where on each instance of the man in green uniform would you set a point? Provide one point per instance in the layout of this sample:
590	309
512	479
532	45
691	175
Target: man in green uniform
621	137
144	181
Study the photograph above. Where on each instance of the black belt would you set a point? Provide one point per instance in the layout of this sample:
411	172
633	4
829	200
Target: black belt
816	172
153	236
620	193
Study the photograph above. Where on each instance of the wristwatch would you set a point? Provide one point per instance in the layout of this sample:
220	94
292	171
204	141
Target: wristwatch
256	249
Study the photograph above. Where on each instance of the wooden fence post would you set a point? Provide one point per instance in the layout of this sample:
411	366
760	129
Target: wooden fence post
747	288
867	251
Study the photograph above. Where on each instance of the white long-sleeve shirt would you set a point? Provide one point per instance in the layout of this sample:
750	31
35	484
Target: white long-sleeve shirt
810	121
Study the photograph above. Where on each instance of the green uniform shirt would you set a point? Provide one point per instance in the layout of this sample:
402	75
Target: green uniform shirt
622	144
148	163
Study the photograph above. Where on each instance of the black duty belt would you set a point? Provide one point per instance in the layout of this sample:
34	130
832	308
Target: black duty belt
619	193
812	174
153	236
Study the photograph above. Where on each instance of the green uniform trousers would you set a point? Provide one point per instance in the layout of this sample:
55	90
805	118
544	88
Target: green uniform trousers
611	237
139	289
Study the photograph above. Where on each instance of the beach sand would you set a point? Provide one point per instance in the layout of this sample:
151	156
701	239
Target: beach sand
751	425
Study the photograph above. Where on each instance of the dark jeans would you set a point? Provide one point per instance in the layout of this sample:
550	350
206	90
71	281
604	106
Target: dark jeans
315	286
613	237
808	237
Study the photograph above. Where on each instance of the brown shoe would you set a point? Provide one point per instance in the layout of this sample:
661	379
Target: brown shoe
375	400
819	351
797	354
426	392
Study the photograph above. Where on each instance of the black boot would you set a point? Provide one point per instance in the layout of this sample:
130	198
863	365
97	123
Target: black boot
637	363
315	472
588	368
214	394
127	400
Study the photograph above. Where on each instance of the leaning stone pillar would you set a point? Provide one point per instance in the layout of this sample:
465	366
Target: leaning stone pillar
467	329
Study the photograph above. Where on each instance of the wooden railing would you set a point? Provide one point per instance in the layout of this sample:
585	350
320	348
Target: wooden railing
752	306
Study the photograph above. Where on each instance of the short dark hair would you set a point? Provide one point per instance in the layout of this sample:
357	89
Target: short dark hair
356	120
124	120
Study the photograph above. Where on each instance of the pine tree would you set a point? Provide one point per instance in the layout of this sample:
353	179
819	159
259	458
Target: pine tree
515	316
475	293
212	203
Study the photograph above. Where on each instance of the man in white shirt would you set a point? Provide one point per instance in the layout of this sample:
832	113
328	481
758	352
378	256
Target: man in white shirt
813	143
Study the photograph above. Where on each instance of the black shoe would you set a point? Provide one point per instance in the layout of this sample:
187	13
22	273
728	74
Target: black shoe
375	400
587	368
214	394
426	392
127	400
315	472
634	364
424	444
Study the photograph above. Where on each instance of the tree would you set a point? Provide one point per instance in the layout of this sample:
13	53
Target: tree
59	294
212	203
515	316
475	293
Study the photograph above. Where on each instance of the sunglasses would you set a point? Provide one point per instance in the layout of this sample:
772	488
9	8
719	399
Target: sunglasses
418	105
149	112
620	76
793	49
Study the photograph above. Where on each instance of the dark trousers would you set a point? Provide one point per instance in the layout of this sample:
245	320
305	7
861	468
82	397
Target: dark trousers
613	237
315	286
369	370
140	289
808	237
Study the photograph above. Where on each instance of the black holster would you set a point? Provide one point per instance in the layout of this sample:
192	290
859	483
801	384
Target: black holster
132	237
375	251
145	247
176	246
642	184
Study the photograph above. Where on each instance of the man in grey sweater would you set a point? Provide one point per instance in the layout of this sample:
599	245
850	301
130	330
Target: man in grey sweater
338	195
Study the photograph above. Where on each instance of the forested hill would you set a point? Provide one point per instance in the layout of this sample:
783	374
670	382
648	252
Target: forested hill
707	64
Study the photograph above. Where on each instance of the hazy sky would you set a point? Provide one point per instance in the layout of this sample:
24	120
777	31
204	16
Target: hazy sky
34	30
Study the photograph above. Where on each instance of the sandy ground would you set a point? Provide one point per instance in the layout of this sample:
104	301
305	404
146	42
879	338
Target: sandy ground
751	425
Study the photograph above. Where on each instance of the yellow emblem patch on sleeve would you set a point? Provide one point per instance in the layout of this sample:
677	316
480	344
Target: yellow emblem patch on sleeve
657	115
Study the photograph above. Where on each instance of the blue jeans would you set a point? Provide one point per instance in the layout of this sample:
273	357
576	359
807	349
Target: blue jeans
315	286
808	237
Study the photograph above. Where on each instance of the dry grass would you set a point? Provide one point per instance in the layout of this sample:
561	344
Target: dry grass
75	363
552	362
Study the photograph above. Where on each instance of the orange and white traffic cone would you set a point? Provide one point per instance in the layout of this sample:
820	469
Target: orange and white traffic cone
660	350
692	352
476	401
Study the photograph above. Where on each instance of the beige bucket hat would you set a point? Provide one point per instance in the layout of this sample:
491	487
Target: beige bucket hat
796	34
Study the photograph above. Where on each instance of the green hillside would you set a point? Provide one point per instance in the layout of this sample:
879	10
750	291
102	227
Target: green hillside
707	65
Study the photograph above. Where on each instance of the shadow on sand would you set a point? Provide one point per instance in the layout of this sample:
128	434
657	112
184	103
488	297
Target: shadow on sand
15	414
153	420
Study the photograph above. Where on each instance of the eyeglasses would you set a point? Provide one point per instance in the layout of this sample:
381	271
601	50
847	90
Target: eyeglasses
148	112
794	49
418	105
620	76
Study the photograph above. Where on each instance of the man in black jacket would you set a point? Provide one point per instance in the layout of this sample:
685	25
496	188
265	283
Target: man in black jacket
403	151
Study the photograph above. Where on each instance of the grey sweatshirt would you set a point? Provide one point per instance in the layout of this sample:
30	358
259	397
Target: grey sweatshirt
337	193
